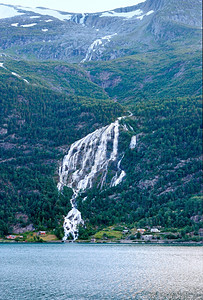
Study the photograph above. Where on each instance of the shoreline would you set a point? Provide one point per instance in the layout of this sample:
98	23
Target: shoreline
141	243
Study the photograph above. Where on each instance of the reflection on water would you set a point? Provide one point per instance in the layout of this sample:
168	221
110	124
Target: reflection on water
78	271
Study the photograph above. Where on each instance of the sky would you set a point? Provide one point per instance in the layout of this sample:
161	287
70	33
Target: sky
77	6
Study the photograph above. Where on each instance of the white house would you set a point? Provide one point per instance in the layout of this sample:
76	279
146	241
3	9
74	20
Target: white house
155	230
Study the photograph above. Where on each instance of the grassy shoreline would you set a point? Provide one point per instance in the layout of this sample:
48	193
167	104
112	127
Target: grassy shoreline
111	234
99	242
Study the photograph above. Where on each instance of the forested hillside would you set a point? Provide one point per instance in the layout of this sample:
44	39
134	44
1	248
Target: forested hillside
154	75
37	126
163	171
62	76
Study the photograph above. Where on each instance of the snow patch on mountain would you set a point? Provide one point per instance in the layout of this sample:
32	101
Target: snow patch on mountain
87	6
28	25
2	65
15	74
125	15
147	14
18	76
15	24
48	12
8	12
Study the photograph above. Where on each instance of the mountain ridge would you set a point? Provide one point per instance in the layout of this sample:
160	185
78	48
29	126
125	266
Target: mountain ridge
70	39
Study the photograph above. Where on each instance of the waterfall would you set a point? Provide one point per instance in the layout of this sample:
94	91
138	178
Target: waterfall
87	164
133	142
96	45
120	174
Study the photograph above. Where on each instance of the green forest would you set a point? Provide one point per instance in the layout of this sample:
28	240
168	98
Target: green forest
163	182
62	103
38	126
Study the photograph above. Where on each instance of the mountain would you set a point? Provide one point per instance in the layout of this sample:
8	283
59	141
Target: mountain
107	106
47	34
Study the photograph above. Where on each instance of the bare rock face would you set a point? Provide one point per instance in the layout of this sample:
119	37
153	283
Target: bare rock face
22	224
19	229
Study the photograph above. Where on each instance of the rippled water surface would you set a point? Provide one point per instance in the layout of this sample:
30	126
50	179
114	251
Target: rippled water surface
78	271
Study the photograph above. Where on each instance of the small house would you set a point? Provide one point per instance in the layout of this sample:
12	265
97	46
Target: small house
41	232
155	230
141	230
147	237
11	237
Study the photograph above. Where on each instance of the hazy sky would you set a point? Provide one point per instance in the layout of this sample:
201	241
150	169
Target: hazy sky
75	5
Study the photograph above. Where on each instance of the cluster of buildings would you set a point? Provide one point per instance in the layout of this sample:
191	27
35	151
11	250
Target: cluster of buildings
13	237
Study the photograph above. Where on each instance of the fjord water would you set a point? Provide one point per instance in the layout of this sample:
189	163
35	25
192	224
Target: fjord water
89	271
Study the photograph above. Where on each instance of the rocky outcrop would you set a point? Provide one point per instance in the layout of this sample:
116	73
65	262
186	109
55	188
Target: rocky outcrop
19	229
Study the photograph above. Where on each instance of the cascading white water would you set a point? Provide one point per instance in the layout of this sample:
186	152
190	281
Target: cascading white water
120	174
95	46
88	157
86	164
133	142
71	222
